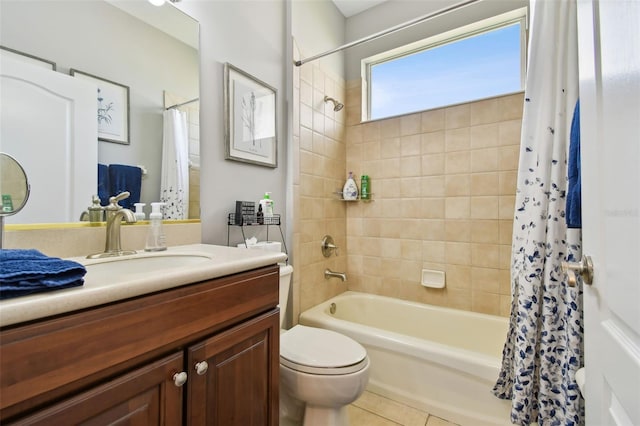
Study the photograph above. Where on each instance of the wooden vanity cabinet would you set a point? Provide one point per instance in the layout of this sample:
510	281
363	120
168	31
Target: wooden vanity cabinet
122	363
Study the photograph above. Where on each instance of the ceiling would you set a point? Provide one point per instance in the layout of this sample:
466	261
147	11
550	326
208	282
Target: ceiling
353	7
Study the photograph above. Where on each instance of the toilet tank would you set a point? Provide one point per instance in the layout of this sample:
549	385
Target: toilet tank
285	285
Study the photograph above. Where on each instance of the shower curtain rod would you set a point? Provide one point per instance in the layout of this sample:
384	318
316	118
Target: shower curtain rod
387	31
182	104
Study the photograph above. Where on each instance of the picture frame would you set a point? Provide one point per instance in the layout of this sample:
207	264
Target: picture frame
250	119
112	108
26	57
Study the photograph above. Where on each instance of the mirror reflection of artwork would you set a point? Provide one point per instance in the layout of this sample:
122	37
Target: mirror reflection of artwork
112	108
250	119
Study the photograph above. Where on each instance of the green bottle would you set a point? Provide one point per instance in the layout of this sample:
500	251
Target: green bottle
365	188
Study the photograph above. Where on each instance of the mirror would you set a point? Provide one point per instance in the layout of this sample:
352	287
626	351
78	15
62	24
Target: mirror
153	51
14	185
14	189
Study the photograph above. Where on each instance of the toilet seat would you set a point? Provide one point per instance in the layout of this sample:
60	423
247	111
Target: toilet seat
323	352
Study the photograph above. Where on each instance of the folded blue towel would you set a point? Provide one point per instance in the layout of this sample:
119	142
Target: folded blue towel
103	184
125	178
25	272
574	189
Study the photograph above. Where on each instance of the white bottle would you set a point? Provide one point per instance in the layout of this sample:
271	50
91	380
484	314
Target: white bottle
350	189
267	205
156	240
139	213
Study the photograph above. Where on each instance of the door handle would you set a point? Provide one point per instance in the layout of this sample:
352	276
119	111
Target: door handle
584	267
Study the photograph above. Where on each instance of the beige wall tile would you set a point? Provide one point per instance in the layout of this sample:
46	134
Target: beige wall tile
433	164
390	148
511	106
457	162
432	142
486	303
485	184
485	255
484	207
484	136
433	186
410	124
410	145
457	116
390	128
456	139
458	230
458	253
484	160
457	208
433	120
411	166
508	157
486	111
509	132
485	231
457	185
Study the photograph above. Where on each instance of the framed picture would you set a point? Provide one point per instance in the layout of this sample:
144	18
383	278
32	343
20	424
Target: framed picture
12	53
250	119
112	108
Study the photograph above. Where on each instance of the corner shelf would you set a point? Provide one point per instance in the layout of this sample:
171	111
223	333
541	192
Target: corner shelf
251	220
366	200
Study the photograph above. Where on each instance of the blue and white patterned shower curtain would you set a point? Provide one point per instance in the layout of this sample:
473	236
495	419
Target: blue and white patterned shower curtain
544	345
174	183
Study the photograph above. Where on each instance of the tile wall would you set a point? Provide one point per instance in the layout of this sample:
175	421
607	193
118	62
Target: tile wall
444	187
318	171
444	190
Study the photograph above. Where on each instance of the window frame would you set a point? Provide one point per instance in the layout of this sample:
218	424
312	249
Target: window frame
515	16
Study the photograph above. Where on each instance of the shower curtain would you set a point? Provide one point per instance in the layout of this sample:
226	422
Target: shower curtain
174	184
544	345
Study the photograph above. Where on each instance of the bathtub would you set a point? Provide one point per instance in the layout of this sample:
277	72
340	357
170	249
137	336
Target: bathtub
443	361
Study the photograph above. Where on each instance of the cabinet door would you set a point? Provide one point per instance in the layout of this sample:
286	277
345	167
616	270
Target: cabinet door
240	384
144	397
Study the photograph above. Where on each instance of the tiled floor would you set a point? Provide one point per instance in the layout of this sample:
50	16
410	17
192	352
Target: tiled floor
374	410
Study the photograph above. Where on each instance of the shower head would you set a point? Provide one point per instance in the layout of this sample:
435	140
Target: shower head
337	106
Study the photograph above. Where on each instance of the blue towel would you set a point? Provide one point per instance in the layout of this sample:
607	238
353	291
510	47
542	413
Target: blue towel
125	178
103	184
574	191
24	272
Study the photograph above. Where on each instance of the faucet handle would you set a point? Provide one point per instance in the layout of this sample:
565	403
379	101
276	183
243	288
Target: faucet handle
113	201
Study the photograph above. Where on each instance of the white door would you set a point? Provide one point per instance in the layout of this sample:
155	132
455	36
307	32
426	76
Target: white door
609	52
48	123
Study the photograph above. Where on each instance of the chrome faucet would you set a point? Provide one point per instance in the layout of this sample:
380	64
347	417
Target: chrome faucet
328	273
115	215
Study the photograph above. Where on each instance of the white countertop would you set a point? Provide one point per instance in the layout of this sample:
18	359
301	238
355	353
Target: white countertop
101	286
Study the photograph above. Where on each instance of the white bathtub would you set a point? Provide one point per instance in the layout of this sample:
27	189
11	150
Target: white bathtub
440	360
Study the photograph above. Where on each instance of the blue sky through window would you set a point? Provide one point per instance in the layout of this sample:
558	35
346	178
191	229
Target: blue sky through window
477	67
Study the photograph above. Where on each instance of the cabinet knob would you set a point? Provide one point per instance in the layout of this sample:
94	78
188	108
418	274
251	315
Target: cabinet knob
202	367
180	379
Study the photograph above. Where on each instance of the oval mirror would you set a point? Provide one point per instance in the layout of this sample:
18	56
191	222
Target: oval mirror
14	185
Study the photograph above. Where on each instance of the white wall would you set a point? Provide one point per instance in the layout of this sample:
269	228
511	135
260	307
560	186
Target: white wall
252	36
99	39
318	26
395	12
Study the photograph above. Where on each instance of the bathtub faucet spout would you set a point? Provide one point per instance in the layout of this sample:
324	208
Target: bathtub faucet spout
328	273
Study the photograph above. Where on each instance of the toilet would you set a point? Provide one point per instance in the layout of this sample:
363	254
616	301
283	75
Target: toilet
321	371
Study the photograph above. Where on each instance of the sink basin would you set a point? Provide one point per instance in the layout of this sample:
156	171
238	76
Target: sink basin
142	264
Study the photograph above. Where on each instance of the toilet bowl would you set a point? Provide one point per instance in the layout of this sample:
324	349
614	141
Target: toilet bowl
321	371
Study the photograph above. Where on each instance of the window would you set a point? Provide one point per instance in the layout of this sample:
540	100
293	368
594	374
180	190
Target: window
482	60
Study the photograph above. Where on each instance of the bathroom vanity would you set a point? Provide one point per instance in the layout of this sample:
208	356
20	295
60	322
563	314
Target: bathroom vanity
202	351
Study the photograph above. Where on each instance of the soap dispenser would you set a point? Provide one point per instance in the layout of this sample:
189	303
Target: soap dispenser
267	205
139	213
96	211
156	240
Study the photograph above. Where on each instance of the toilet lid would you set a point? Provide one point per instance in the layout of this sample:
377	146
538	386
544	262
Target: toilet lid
319	351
